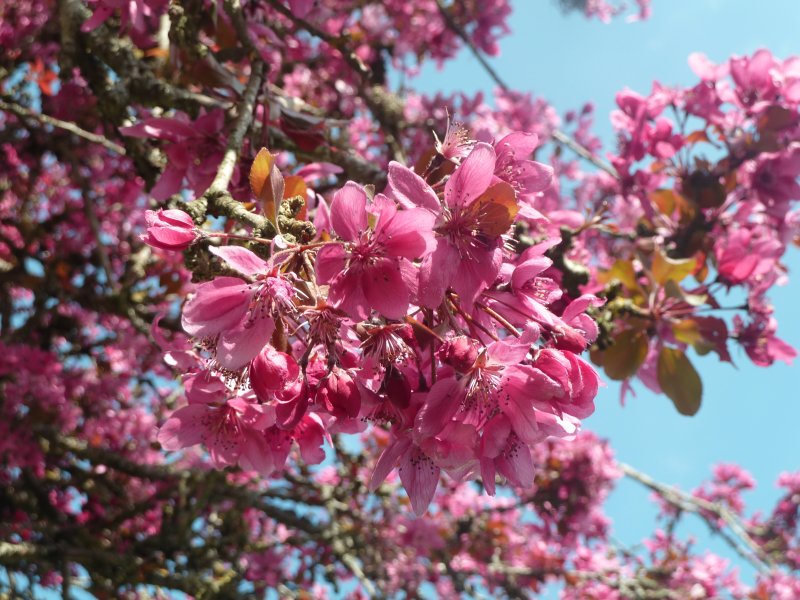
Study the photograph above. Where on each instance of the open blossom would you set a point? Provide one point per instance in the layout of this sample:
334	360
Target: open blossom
457	142
193	150
226	424
773	178
372	269
499	381
747	254
760	342
169	229
514	166
238	314
470	221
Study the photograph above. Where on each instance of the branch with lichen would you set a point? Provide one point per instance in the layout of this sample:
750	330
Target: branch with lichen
28	114
386	107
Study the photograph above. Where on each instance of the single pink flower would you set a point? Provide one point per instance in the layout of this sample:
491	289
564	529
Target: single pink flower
469	225
239	314
193	149
756	85
373	268
301	8
760	342
457	142
224	424
514	165
575	376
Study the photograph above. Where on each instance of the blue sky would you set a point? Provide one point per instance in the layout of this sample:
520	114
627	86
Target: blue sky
749	415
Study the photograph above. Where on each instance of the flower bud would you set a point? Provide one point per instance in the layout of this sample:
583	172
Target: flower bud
169	229
460	353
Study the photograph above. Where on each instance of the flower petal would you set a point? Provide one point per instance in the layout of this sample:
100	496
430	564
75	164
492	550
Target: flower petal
385	289
237	347
240	259
349	211
184	427
472	178
216	305
420	476
409	189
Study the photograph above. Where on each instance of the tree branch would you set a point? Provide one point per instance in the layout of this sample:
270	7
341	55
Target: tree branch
26	113
384	106
217	199
558	136
747	548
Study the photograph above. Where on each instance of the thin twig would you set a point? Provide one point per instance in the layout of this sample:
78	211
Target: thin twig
747	549
26	113
384	106
243	121
558	136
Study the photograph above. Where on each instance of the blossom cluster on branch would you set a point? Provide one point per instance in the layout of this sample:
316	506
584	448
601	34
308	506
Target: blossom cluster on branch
254	287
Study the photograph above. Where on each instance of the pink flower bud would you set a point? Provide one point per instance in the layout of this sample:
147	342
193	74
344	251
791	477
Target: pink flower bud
339	394
460	353
169	230
271	371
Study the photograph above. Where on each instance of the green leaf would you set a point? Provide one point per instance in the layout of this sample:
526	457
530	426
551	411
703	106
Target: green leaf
624	357
674	290
671	269
622	271
679	380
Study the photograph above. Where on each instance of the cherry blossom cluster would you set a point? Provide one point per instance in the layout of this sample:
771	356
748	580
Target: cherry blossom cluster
707	175
410	309
725	222
366	309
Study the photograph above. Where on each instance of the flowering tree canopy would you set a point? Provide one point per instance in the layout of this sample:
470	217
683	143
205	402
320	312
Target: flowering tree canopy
274	323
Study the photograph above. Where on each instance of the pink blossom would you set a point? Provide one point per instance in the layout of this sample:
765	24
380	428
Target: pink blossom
185	141
514	166
238	314
227	426
760	342
372	268
469	225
